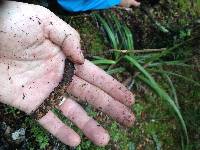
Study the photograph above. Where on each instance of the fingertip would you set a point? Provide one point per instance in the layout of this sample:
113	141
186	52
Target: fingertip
130	121
131	99
73	51
68	137
103	141
136	3
96	133
61	131
81	58
78	61
75	141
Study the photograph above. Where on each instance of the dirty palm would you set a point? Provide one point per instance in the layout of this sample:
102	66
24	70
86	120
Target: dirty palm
32	62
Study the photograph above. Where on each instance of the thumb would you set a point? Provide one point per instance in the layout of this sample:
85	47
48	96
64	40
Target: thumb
63	35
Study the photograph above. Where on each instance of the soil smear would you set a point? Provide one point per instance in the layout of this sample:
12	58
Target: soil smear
57	94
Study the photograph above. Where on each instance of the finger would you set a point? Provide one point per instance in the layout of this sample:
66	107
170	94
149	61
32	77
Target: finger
96	76
57	128
89	126
135	3
101	100
62	34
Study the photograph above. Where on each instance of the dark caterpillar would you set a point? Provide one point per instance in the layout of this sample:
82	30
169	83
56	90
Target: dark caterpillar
56	96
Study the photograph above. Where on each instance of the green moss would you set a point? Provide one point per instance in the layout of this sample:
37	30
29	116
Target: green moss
41	136
155	124
92	40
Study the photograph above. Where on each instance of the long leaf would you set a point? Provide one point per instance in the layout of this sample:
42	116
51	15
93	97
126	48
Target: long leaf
119	32
129	38
148	79
109	32
103	62
177	75
173	90
172	63
116	70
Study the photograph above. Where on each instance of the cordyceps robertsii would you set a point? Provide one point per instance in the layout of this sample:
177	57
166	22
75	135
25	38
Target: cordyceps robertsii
56	96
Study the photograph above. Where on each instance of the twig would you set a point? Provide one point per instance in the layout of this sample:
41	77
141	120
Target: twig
138	51
126	51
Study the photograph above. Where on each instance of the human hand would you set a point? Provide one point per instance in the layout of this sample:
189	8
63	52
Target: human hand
129	3
34	43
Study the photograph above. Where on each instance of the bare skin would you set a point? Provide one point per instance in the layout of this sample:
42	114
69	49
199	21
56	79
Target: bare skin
128	3
34	44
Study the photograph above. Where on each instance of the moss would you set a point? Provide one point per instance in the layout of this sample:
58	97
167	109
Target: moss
155	122
92	40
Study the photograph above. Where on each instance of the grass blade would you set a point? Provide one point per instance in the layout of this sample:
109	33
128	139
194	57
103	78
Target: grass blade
97	57
118	30
116	70
148	79
172	89
129	38
177	75
103	62
108	30
172	63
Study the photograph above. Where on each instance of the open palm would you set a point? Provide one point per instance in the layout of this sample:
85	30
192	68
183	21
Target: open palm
33	47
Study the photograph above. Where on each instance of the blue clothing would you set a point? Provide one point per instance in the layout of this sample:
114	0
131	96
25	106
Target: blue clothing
84	5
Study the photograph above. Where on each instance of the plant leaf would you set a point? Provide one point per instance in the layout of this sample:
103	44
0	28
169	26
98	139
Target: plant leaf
148	79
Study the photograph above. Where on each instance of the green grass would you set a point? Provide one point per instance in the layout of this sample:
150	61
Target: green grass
148	79
118	31
165	84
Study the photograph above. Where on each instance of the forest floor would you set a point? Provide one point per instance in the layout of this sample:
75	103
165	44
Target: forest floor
156	126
